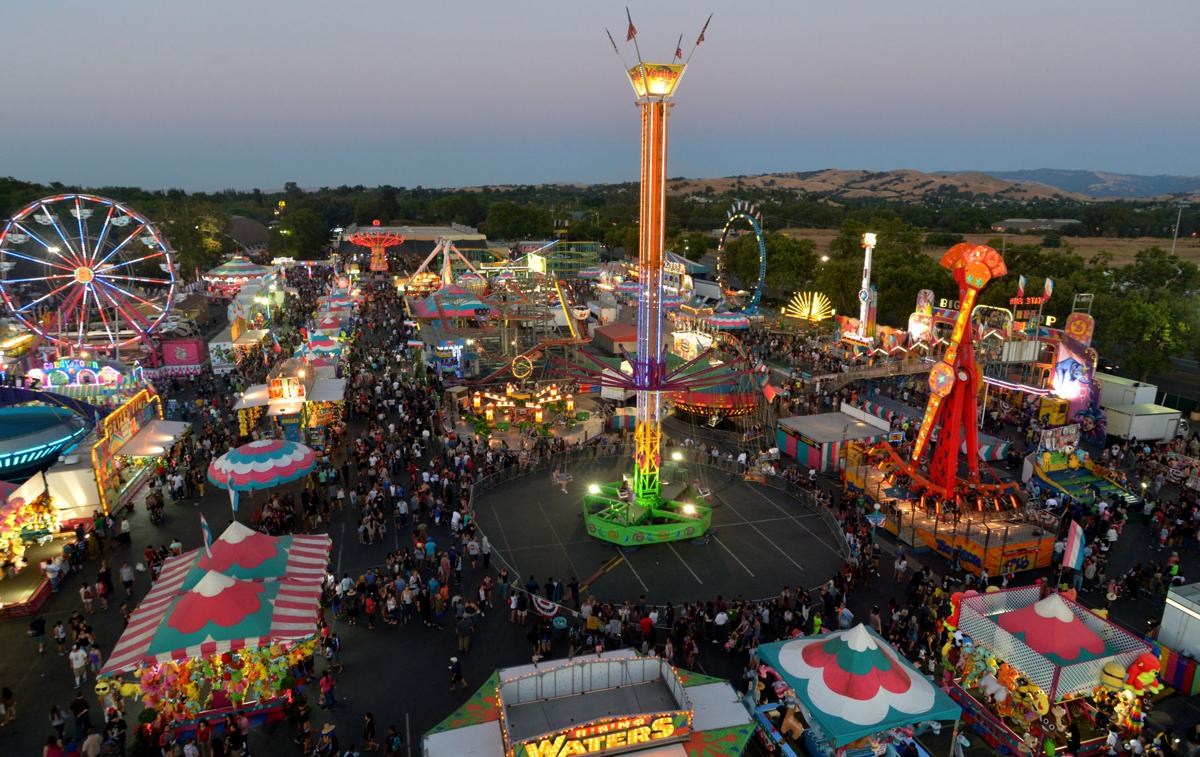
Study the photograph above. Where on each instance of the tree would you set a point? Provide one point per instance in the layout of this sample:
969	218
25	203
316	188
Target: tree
1148	331
790	262
945	239
301	234
508	220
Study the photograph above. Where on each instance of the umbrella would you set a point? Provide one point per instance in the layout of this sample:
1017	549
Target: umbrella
263	464
629	286
589	273
672	301
727	321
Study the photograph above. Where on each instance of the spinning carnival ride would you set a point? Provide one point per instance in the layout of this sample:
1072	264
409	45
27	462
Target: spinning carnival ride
636	512
377	241
83	271
954	383
743	212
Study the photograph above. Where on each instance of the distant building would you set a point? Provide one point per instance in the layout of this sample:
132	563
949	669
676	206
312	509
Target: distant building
247	232
1033	224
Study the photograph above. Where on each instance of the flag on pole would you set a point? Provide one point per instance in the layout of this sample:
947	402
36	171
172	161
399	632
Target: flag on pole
631	32
679	48
275	339
207	533
1020	286
702	30
1073	554
1048	290
613	41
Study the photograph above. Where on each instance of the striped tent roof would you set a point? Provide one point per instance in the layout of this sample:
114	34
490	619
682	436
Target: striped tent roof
450	301
254	590
238	267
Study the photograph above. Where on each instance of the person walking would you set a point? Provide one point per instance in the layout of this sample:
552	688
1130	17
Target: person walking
456	674
37	631
79	662
369	742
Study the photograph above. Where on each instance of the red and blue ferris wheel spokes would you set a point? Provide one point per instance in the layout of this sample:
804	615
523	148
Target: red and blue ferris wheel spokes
93	267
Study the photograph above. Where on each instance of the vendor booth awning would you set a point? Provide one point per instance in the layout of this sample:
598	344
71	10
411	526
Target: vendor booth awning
155	438
328	390
255	396
853	684
250	336
254	590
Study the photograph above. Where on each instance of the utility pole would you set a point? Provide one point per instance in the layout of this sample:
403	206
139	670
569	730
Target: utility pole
1178	217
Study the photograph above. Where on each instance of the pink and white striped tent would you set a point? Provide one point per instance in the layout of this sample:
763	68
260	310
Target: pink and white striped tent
253	591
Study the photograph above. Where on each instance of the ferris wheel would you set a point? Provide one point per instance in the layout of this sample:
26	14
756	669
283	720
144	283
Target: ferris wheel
743	212
85	271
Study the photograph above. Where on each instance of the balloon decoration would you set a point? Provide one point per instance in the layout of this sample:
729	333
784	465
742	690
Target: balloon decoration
180	690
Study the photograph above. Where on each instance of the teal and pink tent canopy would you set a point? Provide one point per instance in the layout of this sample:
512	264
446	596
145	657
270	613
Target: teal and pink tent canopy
253	590
629	286
672	301
323	345
449	302
589	273
238	268
262	464
330	322
853	684
727	321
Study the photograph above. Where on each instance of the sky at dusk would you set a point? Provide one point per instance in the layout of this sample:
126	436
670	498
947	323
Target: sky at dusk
245	93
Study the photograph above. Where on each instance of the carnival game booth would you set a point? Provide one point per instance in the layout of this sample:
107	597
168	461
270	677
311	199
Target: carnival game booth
227	279
325	407
1030	666
223	629
818	440
132	442
846	693
610	703
230	345
29	531
183	357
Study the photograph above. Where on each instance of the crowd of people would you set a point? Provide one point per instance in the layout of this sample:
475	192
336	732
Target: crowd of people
400	473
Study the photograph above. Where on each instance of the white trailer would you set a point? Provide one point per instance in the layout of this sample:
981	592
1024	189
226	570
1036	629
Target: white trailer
1144	422
1116	391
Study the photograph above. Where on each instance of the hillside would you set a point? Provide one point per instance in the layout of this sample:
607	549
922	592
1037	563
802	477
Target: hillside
1103	184
900	185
